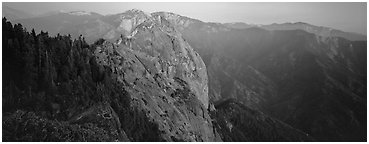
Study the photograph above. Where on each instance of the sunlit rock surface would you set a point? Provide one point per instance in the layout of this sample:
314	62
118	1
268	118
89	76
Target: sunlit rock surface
165	77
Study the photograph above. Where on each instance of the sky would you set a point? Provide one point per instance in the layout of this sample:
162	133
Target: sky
350	17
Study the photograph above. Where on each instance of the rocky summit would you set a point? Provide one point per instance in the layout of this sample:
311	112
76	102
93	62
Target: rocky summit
164	75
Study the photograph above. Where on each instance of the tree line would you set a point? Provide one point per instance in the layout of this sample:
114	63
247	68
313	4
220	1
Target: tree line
57	76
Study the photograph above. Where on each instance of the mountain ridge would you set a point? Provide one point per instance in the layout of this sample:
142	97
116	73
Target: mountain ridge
318	30
109	28
14	14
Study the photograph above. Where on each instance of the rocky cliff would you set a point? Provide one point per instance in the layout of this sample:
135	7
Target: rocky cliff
307	80
165	77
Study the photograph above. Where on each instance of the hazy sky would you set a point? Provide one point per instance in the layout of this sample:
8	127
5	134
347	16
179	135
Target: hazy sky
344	16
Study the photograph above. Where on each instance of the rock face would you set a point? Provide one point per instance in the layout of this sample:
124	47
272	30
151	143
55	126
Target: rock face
311	82
123	23
165	77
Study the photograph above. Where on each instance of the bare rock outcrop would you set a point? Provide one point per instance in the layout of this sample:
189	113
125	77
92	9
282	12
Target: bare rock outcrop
165	77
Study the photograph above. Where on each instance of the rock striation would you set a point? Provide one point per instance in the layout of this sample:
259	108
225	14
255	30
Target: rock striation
165	77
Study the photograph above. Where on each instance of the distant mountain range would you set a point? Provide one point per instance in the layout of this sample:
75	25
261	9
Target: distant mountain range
14	14
93	25
318	30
